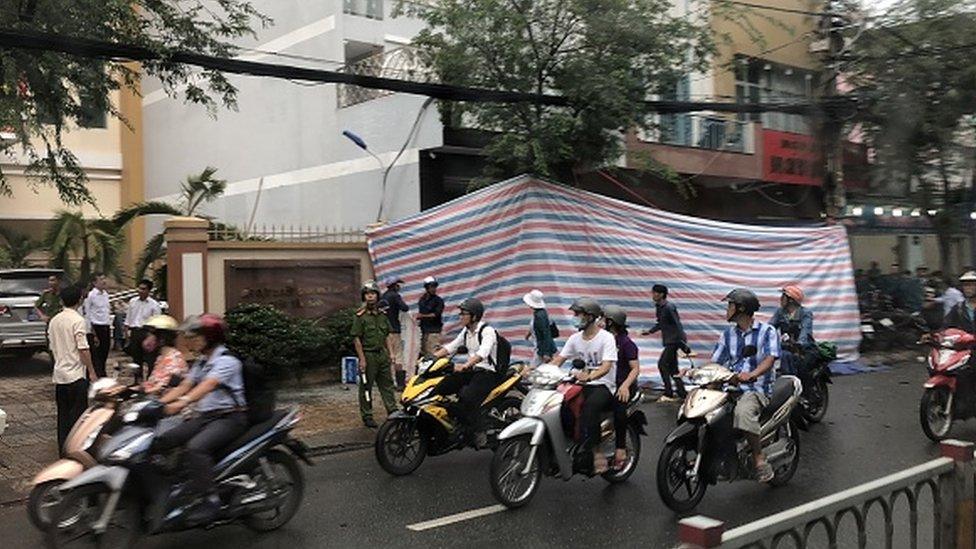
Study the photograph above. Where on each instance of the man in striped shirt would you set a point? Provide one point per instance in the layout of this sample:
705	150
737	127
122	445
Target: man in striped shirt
754	373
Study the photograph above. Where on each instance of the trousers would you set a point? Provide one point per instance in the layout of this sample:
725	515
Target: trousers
596	400
71	400
471	387
203	436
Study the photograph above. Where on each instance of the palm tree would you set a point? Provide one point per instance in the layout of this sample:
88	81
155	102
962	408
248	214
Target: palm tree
194	192
98	243
17	249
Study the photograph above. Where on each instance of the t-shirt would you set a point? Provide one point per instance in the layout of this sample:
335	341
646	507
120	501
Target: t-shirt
140	311
594	352
431	304
486	348
227	370
626	352
66	332
167	365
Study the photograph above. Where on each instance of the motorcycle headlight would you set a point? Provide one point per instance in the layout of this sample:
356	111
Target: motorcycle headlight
429	392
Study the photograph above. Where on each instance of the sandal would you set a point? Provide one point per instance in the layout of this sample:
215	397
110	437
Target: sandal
619	462
600	464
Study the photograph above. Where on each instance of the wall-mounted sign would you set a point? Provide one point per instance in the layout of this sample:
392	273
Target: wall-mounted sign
791	158
307	289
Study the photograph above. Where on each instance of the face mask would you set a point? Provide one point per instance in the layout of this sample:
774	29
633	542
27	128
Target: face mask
581	323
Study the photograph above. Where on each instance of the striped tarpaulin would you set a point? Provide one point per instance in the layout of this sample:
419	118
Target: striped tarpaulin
520	234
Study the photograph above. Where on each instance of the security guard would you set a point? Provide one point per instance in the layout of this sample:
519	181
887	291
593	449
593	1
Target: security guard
370	328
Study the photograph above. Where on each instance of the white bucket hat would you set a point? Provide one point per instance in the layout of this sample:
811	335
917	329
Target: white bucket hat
534	299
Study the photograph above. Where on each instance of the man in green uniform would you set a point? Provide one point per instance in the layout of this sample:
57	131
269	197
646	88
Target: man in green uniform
370	329
48	305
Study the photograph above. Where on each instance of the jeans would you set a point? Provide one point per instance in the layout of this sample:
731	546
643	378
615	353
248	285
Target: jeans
667	365
620	419
471	388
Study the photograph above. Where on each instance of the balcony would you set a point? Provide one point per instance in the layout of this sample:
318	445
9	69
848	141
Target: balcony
703	132
370	9
399	63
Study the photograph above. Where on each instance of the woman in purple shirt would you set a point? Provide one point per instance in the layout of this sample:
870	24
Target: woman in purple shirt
628	368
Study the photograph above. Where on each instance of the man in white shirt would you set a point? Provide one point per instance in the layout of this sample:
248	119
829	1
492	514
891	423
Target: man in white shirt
98	313
69	347
597	350
141	308
476	378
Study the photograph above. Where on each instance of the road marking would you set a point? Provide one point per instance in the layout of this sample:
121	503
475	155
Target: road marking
459	517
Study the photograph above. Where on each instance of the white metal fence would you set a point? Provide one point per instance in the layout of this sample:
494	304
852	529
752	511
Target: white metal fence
947	482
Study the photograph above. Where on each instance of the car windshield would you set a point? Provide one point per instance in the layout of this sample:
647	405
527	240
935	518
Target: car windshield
33	285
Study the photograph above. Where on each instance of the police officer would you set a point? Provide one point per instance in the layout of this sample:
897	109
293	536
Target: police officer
370	329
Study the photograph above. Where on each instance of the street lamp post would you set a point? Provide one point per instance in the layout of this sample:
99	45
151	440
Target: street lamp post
359	142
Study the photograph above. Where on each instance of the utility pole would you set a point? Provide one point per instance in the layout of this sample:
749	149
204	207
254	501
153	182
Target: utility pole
832	143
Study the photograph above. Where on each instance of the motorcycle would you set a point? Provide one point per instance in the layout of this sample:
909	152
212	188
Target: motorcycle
704	448
426	425
136	491
539	442
816	395
943	401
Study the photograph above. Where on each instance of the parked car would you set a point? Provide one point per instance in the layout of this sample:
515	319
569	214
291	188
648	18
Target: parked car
21	329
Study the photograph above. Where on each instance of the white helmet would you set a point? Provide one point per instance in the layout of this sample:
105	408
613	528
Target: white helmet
968	276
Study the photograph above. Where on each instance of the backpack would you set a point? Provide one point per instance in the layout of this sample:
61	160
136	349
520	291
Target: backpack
259	396
553	329
503	350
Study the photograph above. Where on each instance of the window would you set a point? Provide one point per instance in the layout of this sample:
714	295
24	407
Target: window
759	81
371	9
93	115
676	128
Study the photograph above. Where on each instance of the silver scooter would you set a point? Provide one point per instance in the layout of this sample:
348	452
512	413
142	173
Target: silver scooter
538	442
704	448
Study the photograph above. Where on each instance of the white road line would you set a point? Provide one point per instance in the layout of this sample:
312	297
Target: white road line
459	517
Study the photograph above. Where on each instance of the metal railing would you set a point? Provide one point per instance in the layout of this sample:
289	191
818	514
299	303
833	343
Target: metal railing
289	233
704	132
949	481
372	9
400	63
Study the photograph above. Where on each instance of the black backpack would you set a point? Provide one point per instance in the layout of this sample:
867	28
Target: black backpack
259	396
553	329
503	350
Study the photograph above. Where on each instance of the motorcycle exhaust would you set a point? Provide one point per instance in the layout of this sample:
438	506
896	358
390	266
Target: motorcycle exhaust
776	452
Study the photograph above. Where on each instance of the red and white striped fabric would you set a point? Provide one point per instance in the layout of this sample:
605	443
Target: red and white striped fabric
520	234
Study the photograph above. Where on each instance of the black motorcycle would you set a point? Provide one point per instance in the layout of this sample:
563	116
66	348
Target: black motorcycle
813	367
136	491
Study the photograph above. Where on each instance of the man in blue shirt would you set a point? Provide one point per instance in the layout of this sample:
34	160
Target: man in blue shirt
961	316
430	310
214	390
755	373
395	305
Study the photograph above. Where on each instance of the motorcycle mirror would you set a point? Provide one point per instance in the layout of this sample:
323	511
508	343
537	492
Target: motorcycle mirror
749	351
579	364
462	350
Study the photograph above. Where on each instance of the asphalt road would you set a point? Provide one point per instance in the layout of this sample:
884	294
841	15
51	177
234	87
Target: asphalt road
871	430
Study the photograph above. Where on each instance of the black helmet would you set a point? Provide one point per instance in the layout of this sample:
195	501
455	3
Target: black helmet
615	314
588	306
745	300
473	306
369	286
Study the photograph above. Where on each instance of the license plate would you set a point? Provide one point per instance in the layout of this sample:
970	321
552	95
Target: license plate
887	323
867	329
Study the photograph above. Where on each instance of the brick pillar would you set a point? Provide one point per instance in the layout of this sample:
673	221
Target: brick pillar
962	513
186	265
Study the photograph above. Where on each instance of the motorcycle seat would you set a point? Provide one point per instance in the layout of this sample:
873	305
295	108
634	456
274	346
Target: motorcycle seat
782	391
252	433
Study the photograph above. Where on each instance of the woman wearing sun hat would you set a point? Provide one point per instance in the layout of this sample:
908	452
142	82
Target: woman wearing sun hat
541	328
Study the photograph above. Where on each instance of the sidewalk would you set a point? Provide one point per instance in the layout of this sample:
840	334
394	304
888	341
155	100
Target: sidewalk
330	422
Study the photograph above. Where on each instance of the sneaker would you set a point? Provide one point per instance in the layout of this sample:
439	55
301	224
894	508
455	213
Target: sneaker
764	472
370	423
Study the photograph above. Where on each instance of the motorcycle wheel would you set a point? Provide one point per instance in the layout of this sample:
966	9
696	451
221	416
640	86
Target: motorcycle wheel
614	476
400	447
41	502
784	474
816	405
72	521
288	480
509	485
936	422
501	414
679	492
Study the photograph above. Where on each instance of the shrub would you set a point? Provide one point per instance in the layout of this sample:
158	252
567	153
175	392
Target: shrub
289	345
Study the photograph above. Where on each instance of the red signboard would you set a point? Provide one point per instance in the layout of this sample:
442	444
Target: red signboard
791	158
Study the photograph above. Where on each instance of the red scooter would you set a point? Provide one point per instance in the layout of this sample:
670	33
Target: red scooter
948	392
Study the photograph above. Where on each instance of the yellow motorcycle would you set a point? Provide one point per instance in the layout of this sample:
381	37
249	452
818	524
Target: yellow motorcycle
425	426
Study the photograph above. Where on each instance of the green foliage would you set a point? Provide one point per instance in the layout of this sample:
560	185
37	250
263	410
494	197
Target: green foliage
288	345
16	248
98	242
42	94
605	56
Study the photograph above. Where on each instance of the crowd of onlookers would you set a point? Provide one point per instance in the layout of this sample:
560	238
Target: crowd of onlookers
901	289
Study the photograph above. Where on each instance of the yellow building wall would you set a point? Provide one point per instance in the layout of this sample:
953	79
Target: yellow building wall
786	39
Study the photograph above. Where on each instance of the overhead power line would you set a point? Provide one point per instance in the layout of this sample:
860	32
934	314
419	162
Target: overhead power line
84	47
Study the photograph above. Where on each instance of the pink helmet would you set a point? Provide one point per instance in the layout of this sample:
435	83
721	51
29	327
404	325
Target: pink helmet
793	292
